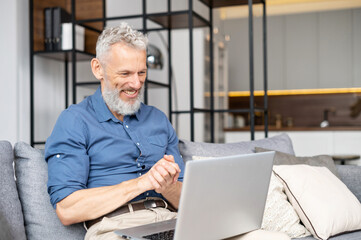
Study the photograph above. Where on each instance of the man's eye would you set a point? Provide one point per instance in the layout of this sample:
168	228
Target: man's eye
124	74
142	73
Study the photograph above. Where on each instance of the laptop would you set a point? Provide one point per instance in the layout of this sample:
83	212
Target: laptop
221	197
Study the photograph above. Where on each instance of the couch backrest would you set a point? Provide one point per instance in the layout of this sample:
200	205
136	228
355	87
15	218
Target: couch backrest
189	149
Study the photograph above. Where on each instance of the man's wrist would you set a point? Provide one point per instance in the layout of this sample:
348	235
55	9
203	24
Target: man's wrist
142	184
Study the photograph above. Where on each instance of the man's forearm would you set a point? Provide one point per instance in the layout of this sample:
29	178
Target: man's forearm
91	203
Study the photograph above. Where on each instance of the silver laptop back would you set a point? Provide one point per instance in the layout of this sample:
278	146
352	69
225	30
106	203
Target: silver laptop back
223	197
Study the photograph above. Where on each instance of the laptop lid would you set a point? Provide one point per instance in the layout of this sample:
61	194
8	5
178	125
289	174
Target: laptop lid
224	197
221	197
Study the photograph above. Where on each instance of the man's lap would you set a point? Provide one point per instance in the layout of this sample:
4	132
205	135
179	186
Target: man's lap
104	230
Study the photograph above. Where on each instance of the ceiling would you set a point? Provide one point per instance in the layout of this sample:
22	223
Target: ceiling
283	7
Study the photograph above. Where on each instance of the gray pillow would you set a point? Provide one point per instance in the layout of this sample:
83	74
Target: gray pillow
11	216
40	218
188	149
287	159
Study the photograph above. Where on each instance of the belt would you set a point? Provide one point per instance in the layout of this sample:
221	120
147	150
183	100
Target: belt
147	204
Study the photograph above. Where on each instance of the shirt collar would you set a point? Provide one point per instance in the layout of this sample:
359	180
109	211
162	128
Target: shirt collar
139	112
102	111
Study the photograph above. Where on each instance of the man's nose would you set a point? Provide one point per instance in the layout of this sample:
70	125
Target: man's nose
136	82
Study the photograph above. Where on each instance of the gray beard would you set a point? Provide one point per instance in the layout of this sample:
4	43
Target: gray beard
114	103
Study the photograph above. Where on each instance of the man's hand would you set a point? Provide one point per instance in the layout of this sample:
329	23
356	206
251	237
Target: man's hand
163	174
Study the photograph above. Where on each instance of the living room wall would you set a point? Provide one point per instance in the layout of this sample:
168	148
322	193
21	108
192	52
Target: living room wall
14	81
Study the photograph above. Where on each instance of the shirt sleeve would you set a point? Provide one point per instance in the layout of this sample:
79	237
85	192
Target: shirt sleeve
173	149
66	154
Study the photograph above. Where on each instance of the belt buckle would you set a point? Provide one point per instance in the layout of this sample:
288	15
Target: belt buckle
150	204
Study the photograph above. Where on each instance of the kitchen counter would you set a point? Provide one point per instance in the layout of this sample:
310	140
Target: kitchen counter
309	141
273	128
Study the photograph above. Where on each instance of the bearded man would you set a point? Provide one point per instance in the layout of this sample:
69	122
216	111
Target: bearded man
114	162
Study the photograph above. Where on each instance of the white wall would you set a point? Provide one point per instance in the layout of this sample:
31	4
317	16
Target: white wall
311	50
14	66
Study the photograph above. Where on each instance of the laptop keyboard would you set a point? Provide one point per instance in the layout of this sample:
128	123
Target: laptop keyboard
161	236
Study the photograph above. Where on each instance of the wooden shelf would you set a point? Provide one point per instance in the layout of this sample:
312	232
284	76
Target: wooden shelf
178	20
228	3
65	55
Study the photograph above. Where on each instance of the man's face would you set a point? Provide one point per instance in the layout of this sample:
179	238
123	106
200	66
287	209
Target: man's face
125	71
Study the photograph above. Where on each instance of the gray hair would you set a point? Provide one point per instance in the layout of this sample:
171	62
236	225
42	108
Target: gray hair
120	34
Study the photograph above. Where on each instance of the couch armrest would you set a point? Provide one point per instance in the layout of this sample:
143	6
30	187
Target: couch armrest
351	176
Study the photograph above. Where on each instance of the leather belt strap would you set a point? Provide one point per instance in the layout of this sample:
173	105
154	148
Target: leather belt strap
147	204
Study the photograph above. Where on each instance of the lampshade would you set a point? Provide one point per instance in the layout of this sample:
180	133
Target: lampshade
154	57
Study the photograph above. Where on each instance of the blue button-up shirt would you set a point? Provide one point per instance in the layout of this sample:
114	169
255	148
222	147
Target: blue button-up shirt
89	147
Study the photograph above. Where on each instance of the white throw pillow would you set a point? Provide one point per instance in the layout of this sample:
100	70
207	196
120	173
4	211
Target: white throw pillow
323	202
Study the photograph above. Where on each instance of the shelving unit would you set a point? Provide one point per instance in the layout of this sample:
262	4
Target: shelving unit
91	15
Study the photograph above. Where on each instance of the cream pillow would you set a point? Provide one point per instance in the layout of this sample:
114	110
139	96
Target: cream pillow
323	202
279	215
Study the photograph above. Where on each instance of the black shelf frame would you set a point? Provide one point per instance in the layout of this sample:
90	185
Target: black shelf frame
168	21
252	109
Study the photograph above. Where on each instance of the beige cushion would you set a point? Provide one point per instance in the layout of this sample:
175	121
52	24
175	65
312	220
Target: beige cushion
325	205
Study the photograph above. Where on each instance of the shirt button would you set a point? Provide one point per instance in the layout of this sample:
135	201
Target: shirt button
58	156
138	164
147	194
140	174
138	144
126	126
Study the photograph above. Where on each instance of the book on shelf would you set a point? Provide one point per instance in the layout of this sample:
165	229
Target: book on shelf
48	26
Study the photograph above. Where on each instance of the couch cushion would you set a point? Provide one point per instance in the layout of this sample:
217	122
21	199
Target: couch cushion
40	218
325	205
11	216
288	159
188	149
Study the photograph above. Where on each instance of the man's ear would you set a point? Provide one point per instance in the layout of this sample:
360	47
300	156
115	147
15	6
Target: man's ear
97	69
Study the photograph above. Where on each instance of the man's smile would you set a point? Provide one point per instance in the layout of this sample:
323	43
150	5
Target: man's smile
130	93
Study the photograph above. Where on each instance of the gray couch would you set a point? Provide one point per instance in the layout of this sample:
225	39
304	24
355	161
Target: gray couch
26	212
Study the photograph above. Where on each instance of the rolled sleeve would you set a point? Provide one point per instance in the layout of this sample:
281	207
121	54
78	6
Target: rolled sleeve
68	162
